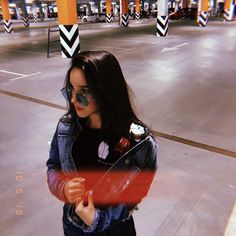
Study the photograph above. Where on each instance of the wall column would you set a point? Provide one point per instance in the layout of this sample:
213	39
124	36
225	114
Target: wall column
108	11
6	17
25	16
202	19
229	10
41	14
137	9
69	30
184	4
124	16
162	18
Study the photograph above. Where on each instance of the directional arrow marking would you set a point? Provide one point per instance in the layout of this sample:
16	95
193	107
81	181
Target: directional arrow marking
173	48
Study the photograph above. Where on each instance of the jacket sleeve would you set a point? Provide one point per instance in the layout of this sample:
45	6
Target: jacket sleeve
103	220
55	178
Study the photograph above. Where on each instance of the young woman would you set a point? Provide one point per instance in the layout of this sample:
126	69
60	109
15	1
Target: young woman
102	158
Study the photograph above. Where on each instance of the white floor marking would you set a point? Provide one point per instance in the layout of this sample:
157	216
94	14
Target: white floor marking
24	76
173	48
10	72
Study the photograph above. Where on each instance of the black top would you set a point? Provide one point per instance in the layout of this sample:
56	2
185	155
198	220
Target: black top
91	152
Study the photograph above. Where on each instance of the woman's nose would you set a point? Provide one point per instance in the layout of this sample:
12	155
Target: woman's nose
73	98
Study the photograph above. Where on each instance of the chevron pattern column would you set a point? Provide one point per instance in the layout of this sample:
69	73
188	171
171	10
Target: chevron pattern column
162	18
203	18
25	21
108	11
228	10
35	18
6	17
137	10
8	26
69	38
162	26
229	13
137	16
124	20
124	16
108	18
68	26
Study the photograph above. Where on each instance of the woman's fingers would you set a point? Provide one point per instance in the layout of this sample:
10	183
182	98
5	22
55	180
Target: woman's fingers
90	199
74	189
75	192
76	183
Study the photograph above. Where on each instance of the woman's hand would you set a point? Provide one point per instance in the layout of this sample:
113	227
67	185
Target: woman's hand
74	189
86	213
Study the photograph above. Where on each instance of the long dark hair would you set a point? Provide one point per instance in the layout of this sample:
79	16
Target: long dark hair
105	79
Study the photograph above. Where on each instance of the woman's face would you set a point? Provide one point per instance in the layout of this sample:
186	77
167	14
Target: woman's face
79	85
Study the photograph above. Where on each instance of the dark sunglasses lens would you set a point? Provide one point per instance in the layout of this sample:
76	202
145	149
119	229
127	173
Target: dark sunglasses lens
66	94
82	99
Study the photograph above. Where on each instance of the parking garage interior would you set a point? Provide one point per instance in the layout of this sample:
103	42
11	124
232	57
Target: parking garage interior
183	86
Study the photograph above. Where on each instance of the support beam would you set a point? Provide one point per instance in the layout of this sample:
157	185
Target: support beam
137	9
6	16
108	11
184	4
162	18
69	30
229	10
25	16
202	19
124	16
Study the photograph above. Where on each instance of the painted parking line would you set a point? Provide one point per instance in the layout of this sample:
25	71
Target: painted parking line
21	76
25	76
192	143
231	226
10	72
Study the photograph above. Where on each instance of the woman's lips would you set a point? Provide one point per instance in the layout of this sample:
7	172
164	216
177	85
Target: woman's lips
79	108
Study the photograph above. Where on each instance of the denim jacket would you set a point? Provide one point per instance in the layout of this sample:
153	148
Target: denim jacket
61	167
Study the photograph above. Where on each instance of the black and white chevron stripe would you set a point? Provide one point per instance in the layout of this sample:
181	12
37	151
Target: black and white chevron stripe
46	14
36	18
108	18
41	16
137	15
228	14
26	21
203	18
162	25
125	20
18	16
8	26
69	38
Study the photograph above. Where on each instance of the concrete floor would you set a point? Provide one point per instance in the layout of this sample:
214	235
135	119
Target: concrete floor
184	85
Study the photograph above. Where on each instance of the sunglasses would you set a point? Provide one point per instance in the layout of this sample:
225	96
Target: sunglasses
83	96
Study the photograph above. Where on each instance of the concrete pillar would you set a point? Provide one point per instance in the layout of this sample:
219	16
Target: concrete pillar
202	19
137	9
25	15
108	11
184	3
6	17
142	8
124	16
68	25
176	5
229	10
162	18
35	13
40	13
